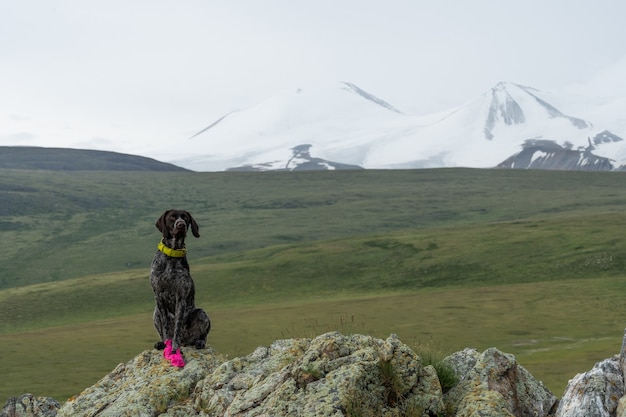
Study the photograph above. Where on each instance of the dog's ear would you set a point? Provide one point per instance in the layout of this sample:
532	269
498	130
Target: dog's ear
161	224
194	226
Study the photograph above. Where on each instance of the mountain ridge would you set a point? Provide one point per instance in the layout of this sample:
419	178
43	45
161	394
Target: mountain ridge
515	114
341	128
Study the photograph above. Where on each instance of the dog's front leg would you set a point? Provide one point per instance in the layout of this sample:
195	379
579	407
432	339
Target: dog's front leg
163	323
179	321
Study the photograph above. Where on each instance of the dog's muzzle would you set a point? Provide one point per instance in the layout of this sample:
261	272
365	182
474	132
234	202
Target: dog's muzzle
180	224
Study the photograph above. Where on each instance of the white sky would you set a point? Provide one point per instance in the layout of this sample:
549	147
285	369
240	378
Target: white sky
126	75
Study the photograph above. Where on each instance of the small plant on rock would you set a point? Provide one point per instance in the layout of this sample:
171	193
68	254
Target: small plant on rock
391	381
445	373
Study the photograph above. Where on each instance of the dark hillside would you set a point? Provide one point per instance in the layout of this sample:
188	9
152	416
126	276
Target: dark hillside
64	159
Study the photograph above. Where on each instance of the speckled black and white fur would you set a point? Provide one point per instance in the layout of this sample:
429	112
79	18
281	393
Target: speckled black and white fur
175	315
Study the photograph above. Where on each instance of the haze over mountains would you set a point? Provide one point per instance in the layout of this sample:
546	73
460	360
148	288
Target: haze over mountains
339	126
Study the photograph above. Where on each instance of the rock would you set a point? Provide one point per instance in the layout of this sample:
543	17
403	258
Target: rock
595	393
29	406
146	386
463	362
494	384
331	375
334	375
598	392
483	402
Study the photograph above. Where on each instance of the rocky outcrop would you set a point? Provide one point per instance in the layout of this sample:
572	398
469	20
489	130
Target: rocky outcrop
547	154
146	386
598	392
594	393
300	160
331	375
334	375
494	384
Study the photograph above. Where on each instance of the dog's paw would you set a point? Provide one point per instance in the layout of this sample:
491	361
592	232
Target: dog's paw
159	345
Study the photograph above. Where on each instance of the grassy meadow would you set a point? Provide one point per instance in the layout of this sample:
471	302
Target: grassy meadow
531	262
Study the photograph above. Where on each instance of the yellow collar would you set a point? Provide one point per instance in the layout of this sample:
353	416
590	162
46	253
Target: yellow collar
173	253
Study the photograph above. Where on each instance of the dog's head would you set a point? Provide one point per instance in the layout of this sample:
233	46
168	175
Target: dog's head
175	223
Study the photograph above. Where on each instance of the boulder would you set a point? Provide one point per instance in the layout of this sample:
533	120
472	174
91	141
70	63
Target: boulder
145	386
334	375
493	384
28	405
330	375
598	392
594	393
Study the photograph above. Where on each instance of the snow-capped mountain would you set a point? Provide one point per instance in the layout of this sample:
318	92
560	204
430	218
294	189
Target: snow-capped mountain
338	122
341	126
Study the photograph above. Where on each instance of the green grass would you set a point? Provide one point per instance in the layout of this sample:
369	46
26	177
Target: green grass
62	225
491	254
529	262
555	329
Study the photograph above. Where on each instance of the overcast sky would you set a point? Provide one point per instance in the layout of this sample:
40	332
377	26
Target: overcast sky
126	74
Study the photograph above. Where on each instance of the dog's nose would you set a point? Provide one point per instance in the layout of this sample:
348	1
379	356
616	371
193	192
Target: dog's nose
180	224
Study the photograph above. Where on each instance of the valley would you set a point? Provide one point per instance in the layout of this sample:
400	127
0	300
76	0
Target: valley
531	262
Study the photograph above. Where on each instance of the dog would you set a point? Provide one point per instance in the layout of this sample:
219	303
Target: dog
176	317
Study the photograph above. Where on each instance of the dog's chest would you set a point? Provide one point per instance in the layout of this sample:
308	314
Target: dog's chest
169	274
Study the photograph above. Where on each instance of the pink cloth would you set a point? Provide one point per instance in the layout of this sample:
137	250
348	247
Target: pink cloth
175	358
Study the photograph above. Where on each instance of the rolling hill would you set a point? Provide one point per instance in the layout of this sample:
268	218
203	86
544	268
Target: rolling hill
76	223
64	159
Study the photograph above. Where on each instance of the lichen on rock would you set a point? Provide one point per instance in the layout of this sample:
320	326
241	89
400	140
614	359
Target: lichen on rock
496	384
331	375
27	405
145	386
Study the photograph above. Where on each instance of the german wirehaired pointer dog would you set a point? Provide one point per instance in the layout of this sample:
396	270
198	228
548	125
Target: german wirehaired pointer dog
176	318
